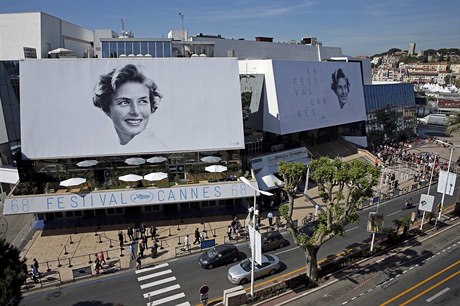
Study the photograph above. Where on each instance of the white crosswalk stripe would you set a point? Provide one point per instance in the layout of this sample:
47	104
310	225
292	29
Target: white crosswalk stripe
159	281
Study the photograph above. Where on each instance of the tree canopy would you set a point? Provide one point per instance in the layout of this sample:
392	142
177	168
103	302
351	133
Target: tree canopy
453	123
13	273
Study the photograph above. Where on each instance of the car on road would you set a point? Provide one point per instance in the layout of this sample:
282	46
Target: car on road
219	255
271	241
240	274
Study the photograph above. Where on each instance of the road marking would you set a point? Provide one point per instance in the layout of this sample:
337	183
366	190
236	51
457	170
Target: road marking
419	284
153	275
158	282
152	268
431	288
166	299
438	294
393	213
285	251
353	228
160	291
184	304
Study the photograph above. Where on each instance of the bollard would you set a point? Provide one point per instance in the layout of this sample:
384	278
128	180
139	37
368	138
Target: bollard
95	232
214	235
59	263
71	242
178	240
161	245
100	241
121	252
169	232
204	228
89	257
107	257
70	264
47	267
110	246
65	250
178	228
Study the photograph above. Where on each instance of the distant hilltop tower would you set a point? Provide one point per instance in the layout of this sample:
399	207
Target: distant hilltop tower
411	50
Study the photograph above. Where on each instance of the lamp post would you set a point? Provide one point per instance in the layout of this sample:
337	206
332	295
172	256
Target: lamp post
256	212
378	204
429	187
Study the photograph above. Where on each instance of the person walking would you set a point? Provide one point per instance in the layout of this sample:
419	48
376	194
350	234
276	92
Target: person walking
36	265
154	249
186	243
34	273
270	218
97	265
229	232
144	241
120	238
141	249
132	251
139	262
197	236
101	258
153	232
130	233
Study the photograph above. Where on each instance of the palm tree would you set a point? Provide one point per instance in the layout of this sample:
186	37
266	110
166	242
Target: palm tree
403	222
453	123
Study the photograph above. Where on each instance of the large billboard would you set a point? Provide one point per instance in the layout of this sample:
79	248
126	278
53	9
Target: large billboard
100	107
303	95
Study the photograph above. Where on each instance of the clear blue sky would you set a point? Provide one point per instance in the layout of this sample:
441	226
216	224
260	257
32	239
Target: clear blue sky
359	27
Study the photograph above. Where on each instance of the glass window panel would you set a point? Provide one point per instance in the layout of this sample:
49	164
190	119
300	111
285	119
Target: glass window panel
151	49
105	49
159	48
144	48
121	48
129	47
167	49
136	47
113	49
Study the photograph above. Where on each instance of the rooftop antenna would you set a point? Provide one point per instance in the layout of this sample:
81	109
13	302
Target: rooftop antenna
124	32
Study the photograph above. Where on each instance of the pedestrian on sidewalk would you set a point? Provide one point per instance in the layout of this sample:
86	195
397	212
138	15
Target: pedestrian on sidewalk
202	236
144	241
270	218
154	249
153	232
130	233
139	262
120	238
35	263
229	232
186	243
34	273
141	249
197	236
101	258
142	229
97	265
316	211
132	250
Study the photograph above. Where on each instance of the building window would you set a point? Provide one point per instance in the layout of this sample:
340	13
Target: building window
105	49
121	48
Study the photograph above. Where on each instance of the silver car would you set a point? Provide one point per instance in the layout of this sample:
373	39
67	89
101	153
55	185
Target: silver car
240	274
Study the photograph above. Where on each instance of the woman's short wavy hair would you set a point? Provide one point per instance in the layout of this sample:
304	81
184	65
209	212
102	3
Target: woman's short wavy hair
109	83
338	74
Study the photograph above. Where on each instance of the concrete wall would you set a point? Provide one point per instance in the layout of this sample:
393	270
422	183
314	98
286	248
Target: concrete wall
18	31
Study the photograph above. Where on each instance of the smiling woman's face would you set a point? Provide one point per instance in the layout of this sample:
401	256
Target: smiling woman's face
342	90
130	110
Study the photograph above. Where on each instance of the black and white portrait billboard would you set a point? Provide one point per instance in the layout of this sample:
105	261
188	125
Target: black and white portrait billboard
303	95
88	107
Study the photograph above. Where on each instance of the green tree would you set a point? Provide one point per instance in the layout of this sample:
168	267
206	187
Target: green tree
403	222
13	273
343	186
453	123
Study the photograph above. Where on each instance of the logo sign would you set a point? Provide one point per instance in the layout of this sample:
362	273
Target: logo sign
142	197
426	203
446	182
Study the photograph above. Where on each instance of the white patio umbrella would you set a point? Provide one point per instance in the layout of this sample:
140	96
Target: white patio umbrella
155	176
75	181
87	163
156	159
130	178
211	159
60	51
215	168
135	161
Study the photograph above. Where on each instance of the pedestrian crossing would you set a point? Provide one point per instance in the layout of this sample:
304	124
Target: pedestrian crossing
159	288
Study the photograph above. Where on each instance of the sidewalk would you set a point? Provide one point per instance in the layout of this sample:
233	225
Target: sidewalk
65	250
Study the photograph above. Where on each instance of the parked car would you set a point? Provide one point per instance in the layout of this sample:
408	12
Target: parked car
240	274
219	255
271	240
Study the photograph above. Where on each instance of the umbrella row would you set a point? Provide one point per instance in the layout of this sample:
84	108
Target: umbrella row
136	161
154	176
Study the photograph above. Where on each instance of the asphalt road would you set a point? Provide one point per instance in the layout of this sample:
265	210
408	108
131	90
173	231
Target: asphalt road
179	280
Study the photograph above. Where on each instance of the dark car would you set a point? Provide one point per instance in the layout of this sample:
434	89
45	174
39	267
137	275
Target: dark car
272	240
219	255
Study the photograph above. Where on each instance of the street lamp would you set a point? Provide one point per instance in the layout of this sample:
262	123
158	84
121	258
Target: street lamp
378	204
429	187
256	212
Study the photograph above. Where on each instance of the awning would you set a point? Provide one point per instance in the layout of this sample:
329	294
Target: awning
272	181
9	175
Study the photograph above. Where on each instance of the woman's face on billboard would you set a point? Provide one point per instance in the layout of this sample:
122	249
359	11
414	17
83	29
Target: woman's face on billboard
342	90
130	110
